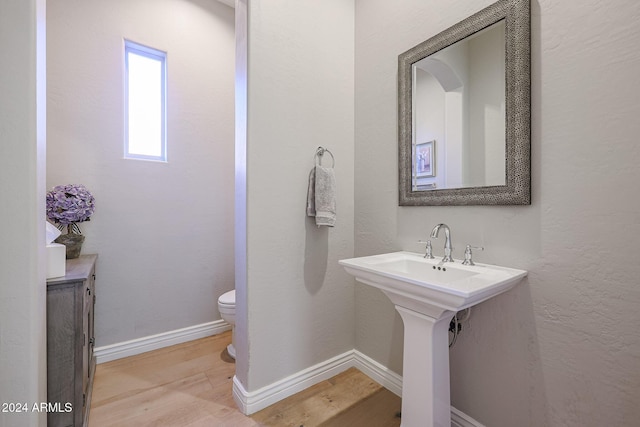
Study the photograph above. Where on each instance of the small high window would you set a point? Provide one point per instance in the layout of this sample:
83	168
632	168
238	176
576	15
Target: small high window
145	102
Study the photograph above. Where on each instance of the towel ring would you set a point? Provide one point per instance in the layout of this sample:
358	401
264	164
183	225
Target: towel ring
320	152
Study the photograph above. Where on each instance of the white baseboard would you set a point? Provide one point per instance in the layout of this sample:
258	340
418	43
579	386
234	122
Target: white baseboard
252	402
460	419
111	352
378	372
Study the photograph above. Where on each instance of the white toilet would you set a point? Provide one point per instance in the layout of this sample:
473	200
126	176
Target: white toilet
227	308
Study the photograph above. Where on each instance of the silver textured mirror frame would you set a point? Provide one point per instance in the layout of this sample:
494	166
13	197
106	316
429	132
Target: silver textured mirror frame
517	190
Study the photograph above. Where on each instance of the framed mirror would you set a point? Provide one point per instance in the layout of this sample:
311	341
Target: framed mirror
464	112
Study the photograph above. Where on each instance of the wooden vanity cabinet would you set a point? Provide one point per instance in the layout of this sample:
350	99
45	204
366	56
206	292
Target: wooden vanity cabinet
70	341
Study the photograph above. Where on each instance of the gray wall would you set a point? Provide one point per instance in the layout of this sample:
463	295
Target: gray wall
163	231
296	303
562	348
22	169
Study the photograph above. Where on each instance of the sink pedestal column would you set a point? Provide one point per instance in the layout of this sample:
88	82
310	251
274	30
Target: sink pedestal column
426	400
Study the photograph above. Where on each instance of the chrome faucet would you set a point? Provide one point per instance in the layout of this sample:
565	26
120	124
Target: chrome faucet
447	242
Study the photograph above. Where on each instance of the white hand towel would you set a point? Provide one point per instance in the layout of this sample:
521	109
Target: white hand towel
321	196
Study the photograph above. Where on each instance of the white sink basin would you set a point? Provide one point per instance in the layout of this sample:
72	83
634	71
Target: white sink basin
451	287
427	295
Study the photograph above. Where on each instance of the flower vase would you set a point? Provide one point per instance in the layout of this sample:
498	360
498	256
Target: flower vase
73	243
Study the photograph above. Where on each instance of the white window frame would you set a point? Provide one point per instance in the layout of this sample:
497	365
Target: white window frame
141	50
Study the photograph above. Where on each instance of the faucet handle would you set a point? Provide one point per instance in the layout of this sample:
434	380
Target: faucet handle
429	253
468	255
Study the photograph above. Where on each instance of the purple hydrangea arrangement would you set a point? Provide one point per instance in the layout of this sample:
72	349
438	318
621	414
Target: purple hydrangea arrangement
68	205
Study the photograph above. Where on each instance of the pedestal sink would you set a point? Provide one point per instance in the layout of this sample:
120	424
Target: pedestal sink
427	294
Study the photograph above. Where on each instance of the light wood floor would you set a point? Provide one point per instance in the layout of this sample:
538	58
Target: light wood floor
189	385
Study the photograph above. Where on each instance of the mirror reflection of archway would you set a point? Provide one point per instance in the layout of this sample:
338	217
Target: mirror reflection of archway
439	115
